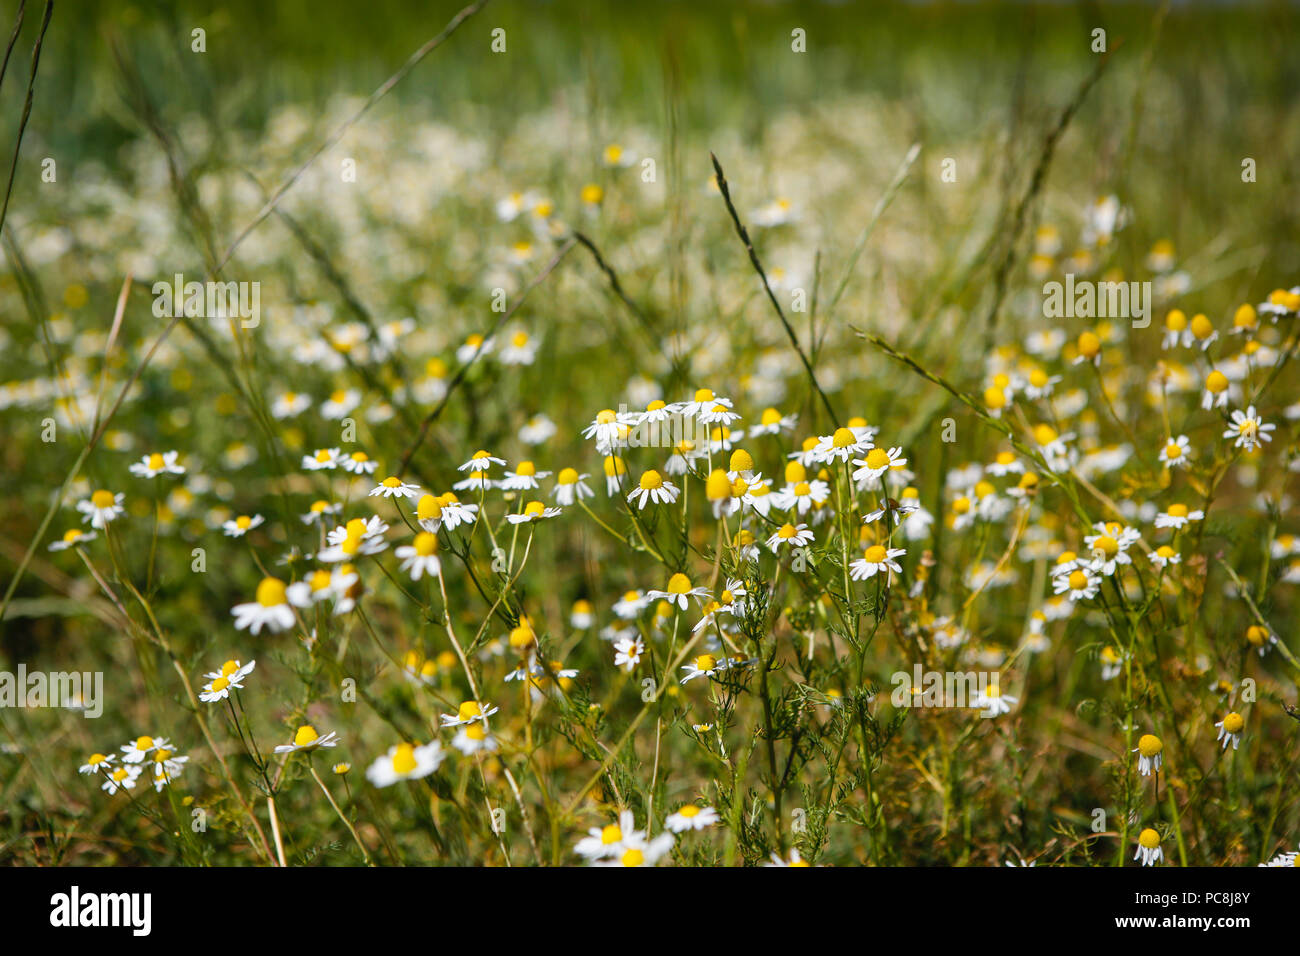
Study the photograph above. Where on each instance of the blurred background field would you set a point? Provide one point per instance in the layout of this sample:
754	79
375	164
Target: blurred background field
1188	93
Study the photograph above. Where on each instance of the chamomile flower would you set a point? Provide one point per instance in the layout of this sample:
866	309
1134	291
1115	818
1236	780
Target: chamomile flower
121	778
534	511
570	486
455	513
97	763
608	429
1164	556
134	751
679	592
469	712
772	422
481	461
270	609
706	665
101	508
306	738
1148	850
240	526
1110	545
581	615
72	538
1217	390
1148	751
1230	729
789	536
322	459
627	652
150	466
1006	463
631	604
802	495
358	463
221	683
523	478
839	446
289	405
703	404
421	556
392	487
519	349
653	487
794	859
320	510
1081	584
691	817
340	403
537	430
877	462
1249	429
473	739
1176	452
1284	859
877	559
1177	516
992	702
1260	638
405	761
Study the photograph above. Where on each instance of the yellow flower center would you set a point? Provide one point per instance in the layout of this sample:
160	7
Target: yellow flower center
615	466
305	735
994	397
270	592
770	416
1106	545
322	455
404	759
706	662
1045	434
1233	723
102	499
611	834
1178	511
1176	320
703	395
469	710
143	743
741	460
1089	344
874	554
787	532
651	480
679	584
243	522
155	462
1149	745
534	509
1201	326
391	482
1078	580
220	684
1216	382
426	544
843	438
877	458
1149	838
717	486
961	505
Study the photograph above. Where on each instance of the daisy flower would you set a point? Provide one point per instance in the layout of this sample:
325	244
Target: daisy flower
306	738
691	817
340	403
1177	516
992	702
322	459
877	462
289	404
454	513
537	430
704	405
581	615
627	652
678	592
534	511
421	556
570	487
468	712
1283	859
519	350
1164	556
475	481
1110	545
1230	729
358	463
481	461
405	762
270	609
1260	638
1248	429
238	527
1148	850
474	739
802	495
101	508
1148	751
1081	584
1216	390
523	478
1176	452
840	446
653	487
221	683
792	536
706	665
772	422
876	559
97	763
631	604
166	767
1006	463
607	428
392	487
72	538
320	510
134	751
121	778
156	464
